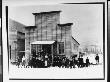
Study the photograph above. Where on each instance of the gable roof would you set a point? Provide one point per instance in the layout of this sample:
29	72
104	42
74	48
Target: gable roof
75	40
46	12
65	24
16	25
29	27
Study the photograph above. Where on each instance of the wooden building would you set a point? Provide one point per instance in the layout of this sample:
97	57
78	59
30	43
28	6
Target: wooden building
16	38
50	36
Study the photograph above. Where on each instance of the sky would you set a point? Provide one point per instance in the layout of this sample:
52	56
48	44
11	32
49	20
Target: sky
87	19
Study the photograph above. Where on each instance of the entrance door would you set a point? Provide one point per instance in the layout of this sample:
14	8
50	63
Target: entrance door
46	48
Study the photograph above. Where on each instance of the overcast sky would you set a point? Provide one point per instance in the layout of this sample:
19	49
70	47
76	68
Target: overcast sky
87	19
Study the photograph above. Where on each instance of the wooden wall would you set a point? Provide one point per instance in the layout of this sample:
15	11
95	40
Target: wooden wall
47	28
13	36
75	47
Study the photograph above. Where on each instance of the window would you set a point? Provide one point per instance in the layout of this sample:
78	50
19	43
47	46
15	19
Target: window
61	47
74	47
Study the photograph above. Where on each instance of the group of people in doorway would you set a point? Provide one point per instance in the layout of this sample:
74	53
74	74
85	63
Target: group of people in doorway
39	61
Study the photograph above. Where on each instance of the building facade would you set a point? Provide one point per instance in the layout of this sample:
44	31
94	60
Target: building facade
16	38
47	30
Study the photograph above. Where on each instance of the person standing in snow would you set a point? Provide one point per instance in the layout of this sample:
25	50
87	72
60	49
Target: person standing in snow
87	62
97	59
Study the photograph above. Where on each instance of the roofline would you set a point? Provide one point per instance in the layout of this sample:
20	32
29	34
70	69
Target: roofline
46	12
75	40
66	24
30	27
16	21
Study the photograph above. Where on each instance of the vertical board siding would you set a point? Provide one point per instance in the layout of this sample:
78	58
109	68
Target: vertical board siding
47	29
16	37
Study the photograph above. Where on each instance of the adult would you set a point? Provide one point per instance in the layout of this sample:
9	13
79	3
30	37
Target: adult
23	61
46	60
63	62
74	62
79	62
67	63
18	62
82	62
87	62
97	59
71	63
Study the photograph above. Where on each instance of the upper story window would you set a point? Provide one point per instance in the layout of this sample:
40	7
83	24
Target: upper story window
61	47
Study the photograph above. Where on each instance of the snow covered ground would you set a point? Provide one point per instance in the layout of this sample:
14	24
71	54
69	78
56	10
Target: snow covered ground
94	71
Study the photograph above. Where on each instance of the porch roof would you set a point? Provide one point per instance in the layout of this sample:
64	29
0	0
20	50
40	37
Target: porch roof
43	42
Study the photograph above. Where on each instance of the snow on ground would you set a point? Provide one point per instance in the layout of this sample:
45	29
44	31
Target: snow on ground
94	71
58	73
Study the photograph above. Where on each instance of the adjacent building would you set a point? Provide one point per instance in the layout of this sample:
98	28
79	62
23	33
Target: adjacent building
16	38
